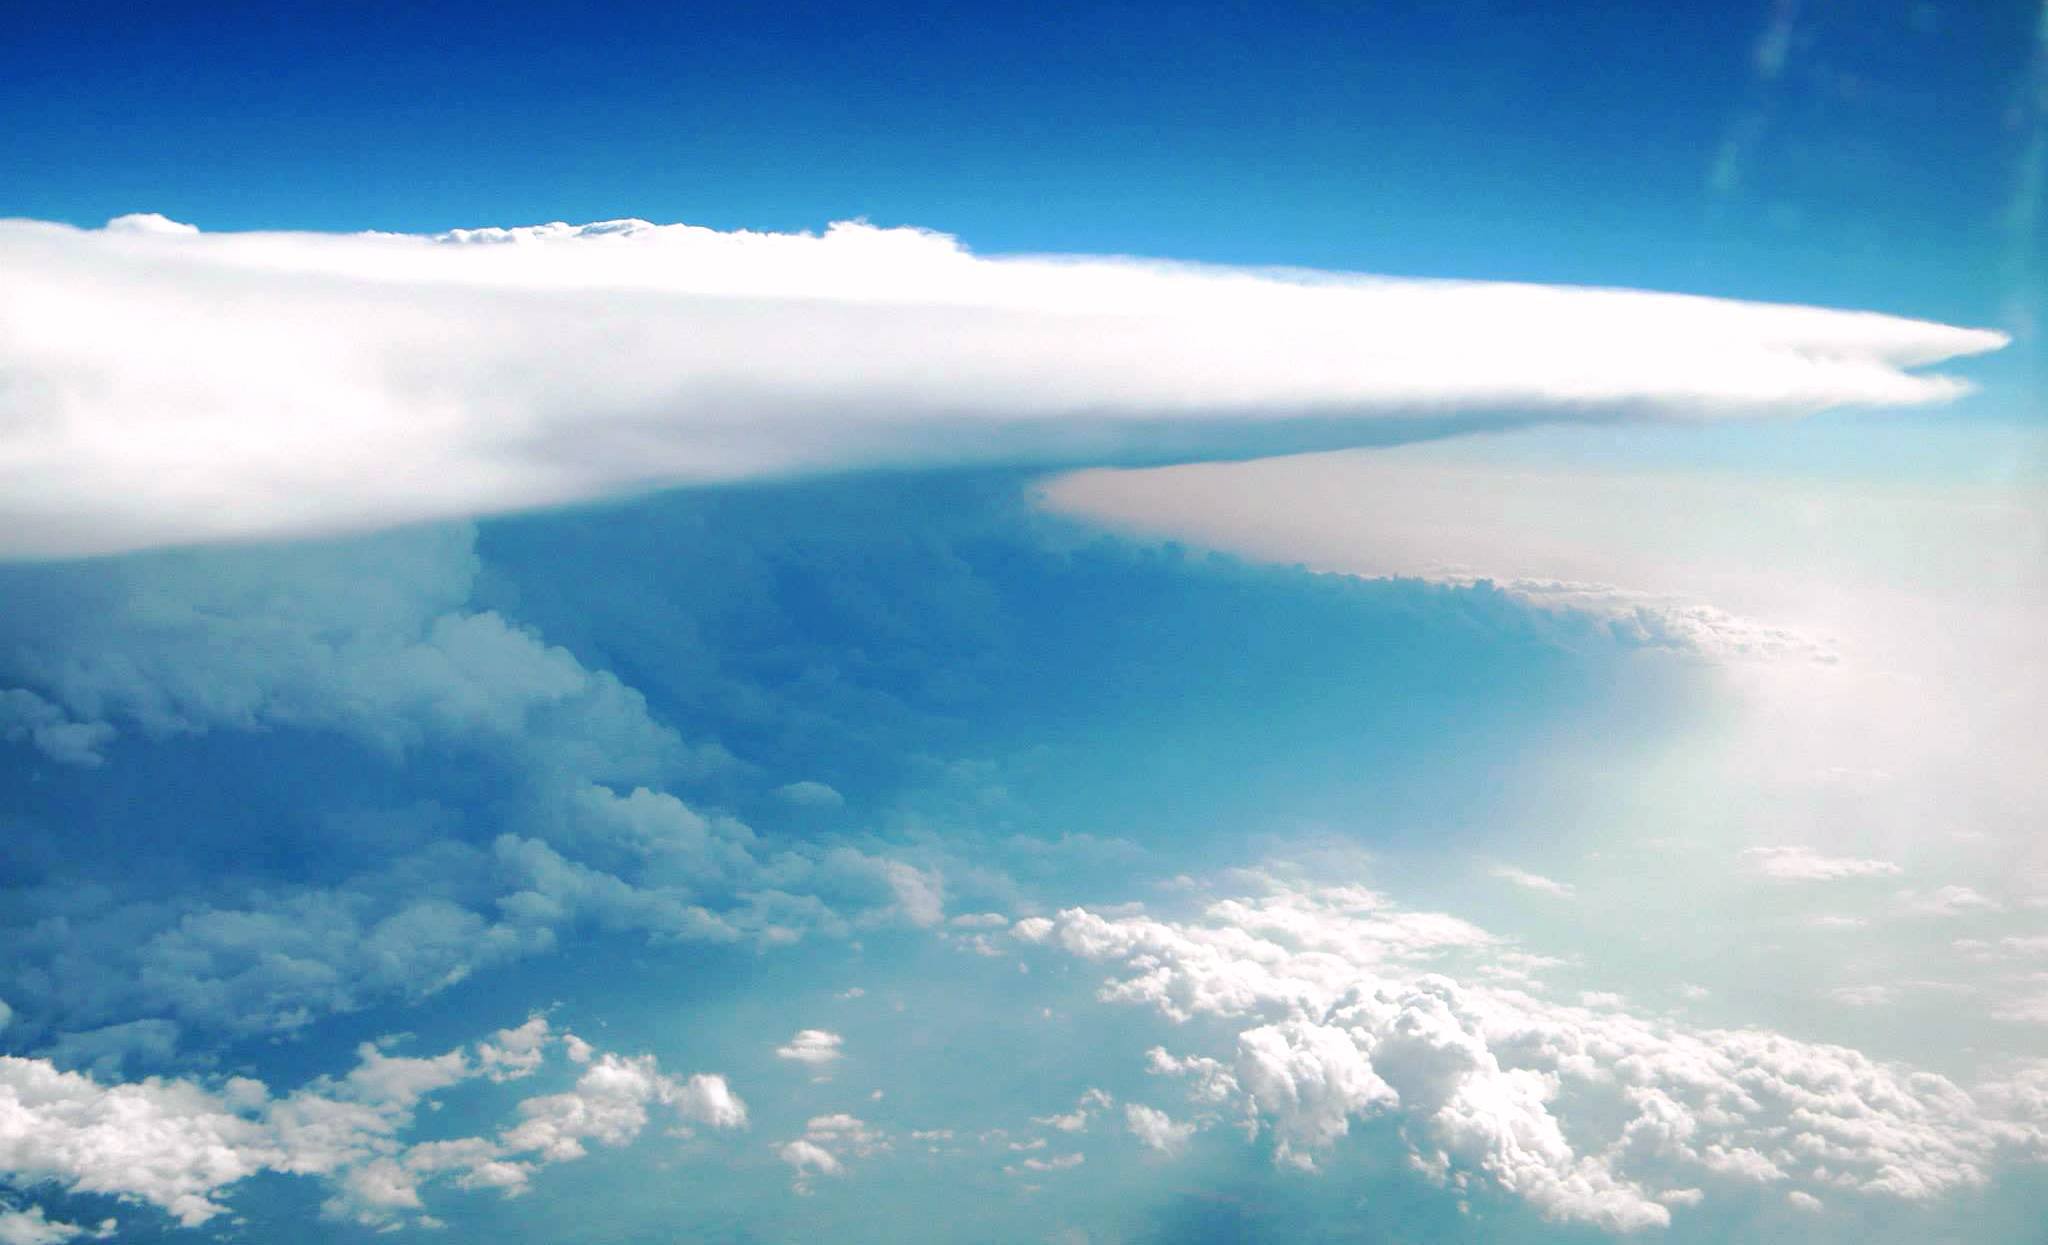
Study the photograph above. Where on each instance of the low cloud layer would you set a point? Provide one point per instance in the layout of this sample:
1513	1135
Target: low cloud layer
179	1145
159	385
1344	1009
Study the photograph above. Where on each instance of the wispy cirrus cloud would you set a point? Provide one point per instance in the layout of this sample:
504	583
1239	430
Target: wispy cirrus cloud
164	385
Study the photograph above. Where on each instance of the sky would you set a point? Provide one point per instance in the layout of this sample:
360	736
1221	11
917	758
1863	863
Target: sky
1111	624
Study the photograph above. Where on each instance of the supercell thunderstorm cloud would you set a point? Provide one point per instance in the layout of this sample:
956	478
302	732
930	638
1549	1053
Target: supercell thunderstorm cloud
640	732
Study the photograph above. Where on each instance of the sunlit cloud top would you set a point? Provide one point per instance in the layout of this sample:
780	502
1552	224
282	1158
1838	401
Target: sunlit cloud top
160	385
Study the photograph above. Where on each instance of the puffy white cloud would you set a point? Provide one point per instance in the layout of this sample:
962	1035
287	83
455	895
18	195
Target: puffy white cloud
518	1052
1308	1080
169	1143
1211	1082
33	1227
1156	1129
1076	1121
609	1105
809	1159
1803	864
1343	1008
1033	928
828	1142
168	386
817	1047
181	1145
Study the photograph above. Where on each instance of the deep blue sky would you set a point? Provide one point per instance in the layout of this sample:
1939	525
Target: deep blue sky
1570	142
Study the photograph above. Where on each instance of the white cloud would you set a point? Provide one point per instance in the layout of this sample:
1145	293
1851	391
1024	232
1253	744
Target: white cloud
172	1143
809	1159
1056	1163
1343	1008
828	1142
979	920
817	1047
810	794
1085	1107
1032	928
181	1145
32	1227
518	1052
1664	620
168	386
919	895
1803	864
609	1105
1156	1129
1949	901
1532	881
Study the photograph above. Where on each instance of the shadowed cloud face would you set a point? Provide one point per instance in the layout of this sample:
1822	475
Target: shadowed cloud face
1078	928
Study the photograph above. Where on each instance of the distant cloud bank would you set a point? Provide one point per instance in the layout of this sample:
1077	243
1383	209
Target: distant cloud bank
160	385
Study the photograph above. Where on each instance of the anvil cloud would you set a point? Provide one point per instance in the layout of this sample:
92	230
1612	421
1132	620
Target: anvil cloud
159	385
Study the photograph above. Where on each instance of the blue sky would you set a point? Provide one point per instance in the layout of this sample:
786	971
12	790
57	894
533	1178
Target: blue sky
1870	167
708	723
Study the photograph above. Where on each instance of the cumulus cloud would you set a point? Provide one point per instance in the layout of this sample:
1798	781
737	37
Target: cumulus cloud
816	1047
1085	1107
27	717
373	639
1156	1129
829	1141
180	1145
1344	1007
171	386
1803	864
1052	1163
33	1227
376	639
